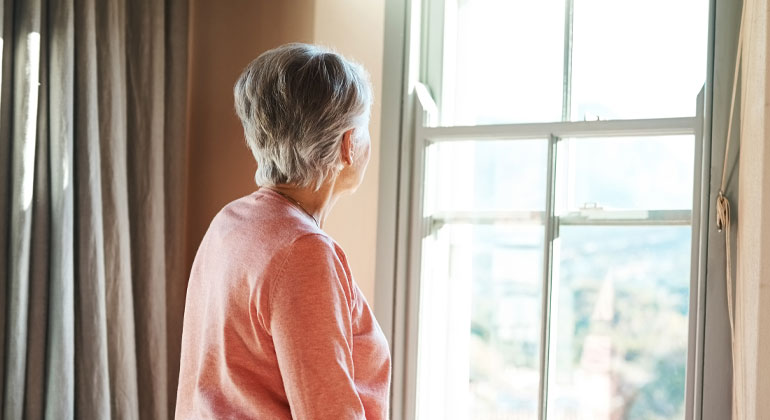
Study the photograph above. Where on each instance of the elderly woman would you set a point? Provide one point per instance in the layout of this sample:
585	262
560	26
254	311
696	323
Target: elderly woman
275	327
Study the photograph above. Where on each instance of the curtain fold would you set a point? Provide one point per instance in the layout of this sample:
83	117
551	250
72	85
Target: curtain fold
91	374
58	388
39	249
111	59
175	176
22	128
92	192
145	52
5	174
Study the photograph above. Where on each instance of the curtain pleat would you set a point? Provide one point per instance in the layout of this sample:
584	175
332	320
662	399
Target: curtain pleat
113	133
92	191
6	57
60	366
175	176
91	366
145	57
26	43
40	247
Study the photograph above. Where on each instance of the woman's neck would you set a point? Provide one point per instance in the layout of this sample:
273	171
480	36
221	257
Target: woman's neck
316	203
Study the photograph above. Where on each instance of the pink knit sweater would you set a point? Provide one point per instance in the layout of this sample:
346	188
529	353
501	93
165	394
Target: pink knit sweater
274	325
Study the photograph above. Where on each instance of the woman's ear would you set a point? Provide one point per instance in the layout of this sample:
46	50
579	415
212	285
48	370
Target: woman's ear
347	147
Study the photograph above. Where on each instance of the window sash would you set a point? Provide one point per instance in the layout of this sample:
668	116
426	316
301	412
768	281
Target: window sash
427	132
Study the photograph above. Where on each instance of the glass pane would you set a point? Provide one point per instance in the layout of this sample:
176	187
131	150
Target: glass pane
486	176
480	317
652	173
503	61
619	323
637	59
481	286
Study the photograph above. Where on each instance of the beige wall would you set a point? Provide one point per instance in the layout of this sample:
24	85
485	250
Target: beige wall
225	36
354	28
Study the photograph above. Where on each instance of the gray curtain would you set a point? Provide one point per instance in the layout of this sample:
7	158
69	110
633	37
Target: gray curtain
92	193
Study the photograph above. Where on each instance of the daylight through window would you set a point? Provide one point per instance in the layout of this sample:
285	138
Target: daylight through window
555	150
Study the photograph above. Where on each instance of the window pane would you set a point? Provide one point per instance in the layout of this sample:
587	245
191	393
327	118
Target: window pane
651	173
480	317
486	176
637	59
503	61
619	324
481	287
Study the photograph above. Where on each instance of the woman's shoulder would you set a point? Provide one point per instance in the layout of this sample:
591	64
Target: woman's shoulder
259	223
262	214
313	261
315	243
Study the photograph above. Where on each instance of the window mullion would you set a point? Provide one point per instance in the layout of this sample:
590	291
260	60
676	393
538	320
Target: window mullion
550	234
566	107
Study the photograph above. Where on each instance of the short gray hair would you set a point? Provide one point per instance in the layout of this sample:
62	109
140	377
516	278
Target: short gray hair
295	102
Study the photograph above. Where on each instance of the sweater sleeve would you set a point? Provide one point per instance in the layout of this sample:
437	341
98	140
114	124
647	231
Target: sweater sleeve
310	322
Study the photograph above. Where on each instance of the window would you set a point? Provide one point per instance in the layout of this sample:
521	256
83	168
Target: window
554	195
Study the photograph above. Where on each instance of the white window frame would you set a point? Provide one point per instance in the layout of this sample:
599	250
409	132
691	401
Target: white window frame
409	116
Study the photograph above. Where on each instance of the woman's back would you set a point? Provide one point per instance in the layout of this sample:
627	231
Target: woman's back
275	327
